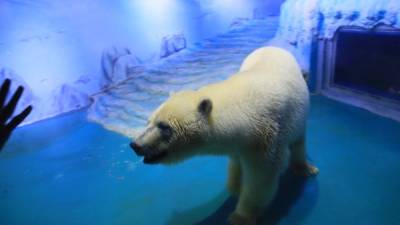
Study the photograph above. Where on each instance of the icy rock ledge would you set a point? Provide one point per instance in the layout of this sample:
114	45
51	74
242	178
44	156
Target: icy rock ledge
172	44
118	64
302	20
238	23
64	98
67	98
27	97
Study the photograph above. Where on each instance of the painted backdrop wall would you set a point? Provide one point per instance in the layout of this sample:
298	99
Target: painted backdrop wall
55	48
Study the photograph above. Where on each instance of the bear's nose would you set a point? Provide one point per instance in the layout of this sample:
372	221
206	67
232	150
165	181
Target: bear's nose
136	148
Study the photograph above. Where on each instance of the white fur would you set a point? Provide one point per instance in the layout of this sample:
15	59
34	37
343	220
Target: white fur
257	119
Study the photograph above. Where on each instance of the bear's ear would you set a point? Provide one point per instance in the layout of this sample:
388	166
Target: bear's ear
205	106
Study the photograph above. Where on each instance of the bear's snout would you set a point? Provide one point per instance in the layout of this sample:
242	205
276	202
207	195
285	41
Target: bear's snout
137	148
150	156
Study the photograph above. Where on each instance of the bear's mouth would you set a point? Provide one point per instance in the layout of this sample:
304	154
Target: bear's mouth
154	157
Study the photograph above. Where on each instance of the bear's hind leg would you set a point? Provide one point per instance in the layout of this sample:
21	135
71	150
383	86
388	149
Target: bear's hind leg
298	159
234	176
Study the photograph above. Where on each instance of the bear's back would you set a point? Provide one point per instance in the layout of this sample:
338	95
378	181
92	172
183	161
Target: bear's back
269	58
269	84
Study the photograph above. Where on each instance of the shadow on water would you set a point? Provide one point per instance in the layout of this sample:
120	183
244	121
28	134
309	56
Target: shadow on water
195	214
292	189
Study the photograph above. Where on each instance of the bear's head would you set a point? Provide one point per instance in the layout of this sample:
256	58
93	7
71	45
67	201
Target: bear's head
176	130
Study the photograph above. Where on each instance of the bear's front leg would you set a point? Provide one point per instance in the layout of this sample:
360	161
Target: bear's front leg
234	177
259	184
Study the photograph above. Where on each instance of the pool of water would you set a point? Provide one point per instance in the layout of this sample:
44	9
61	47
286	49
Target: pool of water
70	171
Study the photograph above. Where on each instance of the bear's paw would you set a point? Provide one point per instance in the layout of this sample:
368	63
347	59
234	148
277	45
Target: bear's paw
304	169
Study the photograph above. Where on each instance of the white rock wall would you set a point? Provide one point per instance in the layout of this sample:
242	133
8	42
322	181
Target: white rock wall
301	20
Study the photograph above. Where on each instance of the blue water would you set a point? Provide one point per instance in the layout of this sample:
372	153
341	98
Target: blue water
70	171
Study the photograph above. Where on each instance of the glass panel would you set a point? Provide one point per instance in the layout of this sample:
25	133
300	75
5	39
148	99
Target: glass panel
369	62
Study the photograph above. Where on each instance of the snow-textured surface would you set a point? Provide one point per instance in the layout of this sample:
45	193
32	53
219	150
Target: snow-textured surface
27	97
172	44
67	98
118	64
64	98
301	20
126	107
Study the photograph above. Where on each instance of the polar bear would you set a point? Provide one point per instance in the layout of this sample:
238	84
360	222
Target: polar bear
256	117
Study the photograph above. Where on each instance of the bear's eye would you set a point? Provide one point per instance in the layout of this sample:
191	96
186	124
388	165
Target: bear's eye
163	125
165	128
